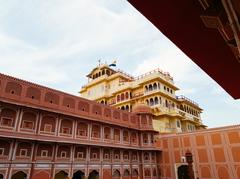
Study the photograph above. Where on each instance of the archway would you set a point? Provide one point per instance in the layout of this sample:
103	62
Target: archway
150	87
154	86
183	172
1	176
151	102
61	175
93	175
78	175
156	100
116	174
126	173
19	175
135	174
127	108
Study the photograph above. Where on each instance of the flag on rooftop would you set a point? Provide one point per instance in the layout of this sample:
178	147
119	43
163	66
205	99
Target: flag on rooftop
113	64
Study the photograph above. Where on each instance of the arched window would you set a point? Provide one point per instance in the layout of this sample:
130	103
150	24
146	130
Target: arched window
154	86
127	108
150	87
160	100
108	72
122	108
147	101
166	103
102	102
96	75
118	98
151	102
122	96
126	95
158	85
156	100
146	88
103	72
184	108
181	107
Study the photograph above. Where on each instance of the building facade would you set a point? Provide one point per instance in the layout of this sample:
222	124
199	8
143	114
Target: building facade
215	153
156	89
45	133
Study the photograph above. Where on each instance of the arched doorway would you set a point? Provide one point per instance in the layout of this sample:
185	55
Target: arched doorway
116	174
93	175
19	175
1	176
135	174
183	172
61	175
78	175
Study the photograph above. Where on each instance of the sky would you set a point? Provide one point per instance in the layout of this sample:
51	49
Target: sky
56	44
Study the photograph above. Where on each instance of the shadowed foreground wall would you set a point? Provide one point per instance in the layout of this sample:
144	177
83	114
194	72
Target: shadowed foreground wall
216	152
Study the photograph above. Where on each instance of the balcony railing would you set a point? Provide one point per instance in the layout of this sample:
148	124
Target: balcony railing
181	97
165	75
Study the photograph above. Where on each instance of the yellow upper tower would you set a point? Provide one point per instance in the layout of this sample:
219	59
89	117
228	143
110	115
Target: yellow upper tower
156	89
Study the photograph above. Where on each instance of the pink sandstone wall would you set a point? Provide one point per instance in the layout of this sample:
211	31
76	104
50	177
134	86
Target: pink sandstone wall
216	153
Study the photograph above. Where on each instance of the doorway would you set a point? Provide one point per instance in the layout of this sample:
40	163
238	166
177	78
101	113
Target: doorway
183	172
78	175
93	175
19	175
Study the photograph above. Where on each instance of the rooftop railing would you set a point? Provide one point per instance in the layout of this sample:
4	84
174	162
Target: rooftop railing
165	74
181	97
